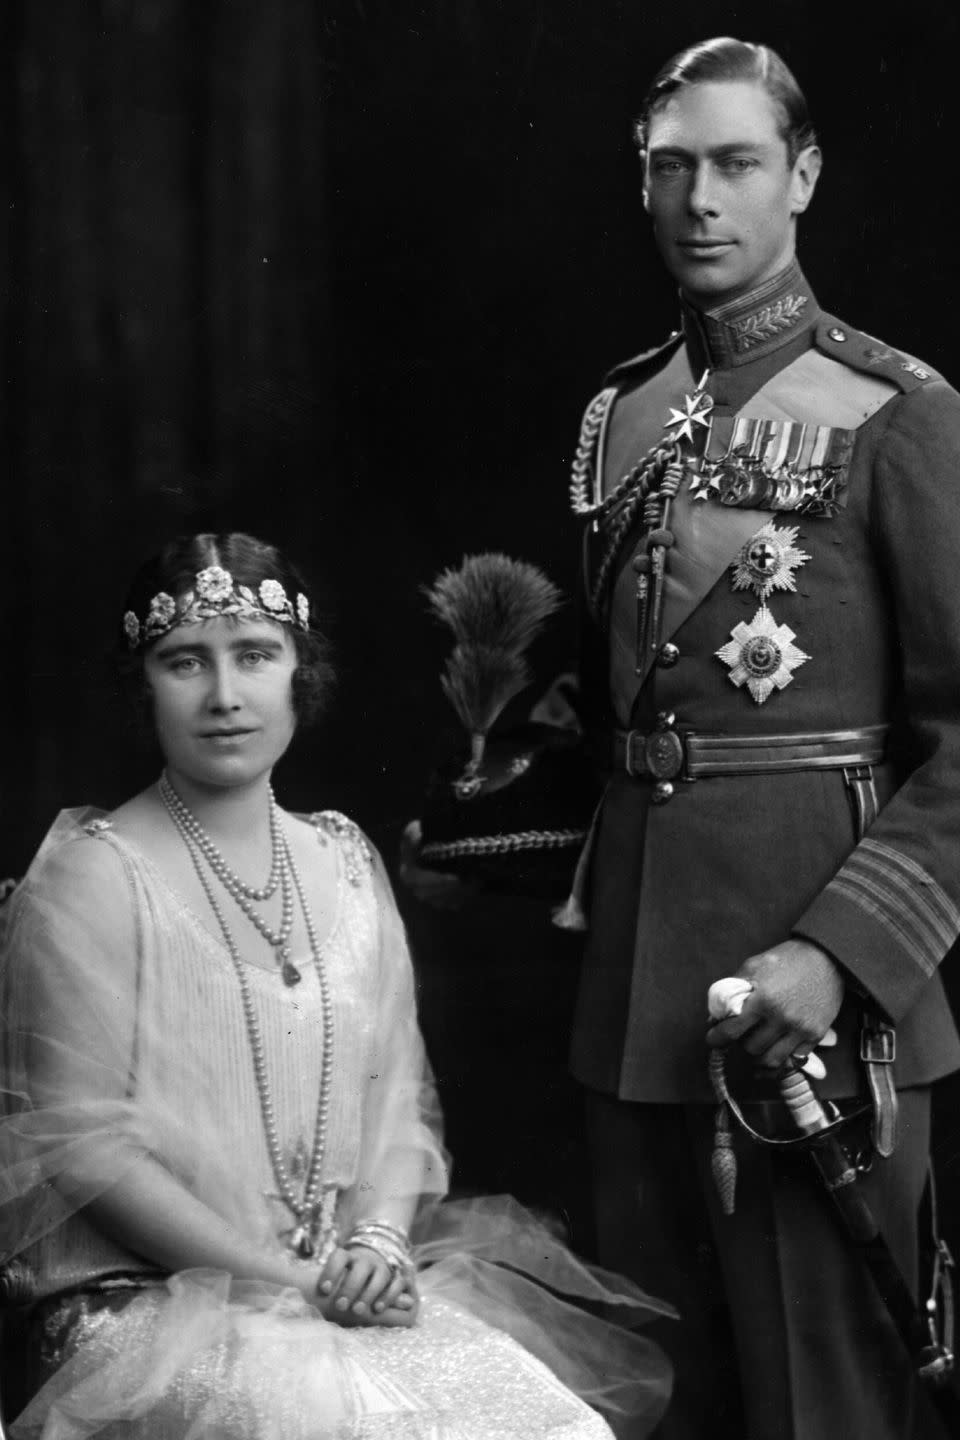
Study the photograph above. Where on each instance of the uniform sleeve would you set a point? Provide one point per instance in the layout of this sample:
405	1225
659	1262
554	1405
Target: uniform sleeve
893	910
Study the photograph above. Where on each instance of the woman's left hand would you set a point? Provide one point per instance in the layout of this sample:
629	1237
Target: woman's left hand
358	1287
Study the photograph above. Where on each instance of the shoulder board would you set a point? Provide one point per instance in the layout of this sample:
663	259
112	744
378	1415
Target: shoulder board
644	364
871	356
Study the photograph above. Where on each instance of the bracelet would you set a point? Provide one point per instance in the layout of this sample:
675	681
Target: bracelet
386	1240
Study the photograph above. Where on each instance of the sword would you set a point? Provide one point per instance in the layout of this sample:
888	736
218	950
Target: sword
919	1330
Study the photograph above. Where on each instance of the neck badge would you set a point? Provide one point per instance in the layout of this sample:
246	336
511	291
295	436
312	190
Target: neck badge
696	411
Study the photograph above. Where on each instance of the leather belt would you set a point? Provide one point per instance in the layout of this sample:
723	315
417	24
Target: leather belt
668	753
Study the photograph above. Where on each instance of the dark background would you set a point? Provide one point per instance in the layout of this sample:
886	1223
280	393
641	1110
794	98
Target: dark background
343	274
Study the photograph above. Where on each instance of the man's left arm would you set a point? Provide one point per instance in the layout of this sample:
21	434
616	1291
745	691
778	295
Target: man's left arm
892	911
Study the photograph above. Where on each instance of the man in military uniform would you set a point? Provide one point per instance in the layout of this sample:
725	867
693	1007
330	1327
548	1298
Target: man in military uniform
773	659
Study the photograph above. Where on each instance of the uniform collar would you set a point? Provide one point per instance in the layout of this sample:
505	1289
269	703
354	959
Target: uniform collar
753	326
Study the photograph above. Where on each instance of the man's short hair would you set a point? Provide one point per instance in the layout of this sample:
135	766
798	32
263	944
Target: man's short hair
726	59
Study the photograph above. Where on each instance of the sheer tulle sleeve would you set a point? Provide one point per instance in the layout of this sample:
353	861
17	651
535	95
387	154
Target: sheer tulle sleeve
98	1070
402	1163
69	974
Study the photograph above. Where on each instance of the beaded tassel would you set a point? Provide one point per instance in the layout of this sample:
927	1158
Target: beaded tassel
641	568
723	1160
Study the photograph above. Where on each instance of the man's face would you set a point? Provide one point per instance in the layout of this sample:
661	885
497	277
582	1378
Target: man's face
723	196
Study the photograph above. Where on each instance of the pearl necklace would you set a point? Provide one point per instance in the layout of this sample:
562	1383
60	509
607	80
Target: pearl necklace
191	829
312	1210
223	871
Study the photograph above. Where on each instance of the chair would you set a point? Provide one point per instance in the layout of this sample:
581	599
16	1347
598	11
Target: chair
16	1291
12	1281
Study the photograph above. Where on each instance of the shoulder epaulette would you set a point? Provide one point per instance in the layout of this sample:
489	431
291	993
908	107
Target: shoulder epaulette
871	356
640	366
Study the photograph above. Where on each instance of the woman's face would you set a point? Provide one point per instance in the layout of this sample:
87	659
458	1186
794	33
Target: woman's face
223	698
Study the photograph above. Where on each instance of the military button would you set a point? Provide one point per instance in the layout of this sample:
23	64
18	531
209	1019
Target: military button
662	792
666	720
837	334
668	655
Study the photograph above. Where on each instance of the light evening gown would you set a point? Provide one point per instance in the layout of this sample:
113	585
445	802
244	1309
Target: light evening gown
124	1035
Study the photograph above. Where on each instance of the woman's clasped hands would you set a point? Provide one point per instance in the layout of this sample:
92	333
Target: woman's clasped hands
357	1286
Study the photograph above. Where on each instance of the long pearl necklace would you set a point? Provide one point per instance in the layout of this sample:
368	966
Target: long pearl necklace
190	828
311	1210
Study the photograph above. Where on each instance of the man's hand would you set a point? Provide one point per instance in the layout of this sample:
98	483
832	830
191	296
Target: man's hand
797	992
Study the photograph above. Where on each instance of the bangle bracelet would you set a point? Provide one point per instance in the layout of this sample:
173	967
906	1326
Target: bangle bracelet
383	1230
387	1241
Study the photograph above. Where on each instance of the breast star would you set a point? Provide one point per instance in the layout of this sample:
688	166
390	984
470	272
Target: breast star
762	655
767	561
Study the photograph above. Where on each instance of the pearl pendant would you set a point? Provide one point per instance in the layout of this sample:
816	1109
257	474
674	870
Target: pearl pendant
290	974
301	1242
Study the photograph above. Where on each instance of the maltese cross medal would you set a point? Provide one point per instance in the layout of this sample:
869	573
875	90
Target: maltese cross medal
762	655
696	411
768	560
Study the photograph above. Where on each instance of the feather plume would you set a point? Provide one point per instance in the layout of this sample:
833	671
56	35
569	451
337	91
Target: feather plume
494	601
479	681
495	607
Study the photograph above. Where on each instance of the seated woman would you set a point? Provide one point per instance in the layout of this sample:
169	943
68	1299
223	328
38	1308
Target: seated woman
219	1124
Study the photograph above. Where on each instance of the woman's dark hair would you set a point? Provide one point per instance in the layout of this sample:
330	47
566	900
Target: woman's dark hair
250	561
725	59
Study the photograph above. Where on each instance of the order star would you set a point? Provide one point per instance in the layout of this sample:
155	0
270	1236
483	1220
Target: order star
762	655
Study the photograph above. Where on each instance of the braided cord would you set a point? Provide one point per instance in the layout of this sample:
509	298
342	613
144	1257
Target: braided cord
653	467
501	844
594	419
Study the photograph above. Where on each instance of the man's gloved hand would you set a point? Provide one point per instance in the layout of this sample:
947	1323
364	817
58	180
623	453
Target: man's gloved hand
797	992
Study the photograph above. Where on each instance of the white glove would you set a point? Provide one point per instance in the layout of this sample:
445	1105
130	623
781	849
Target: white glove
726	997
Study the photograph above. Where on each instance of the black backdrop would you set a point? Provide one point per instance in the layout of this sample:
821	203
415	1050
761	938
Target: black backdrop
343	274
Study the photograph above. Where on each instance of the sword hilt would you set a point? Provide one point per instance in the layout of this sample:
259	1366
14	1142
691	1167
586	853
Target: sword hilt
797	1094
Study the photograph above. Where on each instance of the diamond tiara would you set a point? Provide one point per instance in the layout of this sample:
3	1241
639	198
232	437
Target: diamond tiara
215	593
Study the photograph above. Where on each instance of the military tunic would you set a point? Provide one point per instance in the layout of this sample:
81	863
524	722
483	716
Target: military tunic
839	615
683	892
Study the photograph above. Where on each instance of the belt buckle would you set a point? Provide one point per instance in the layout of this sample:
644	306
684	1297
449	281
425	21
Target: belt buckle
878	1045
664	753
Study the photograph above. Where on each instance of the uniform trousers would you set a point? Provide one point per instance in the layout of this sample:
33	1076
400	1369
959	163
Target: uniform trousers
781	1335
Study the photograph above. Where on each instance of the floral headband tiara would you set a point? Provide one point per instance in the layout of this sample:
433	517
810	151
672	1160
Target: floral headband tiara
215	593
